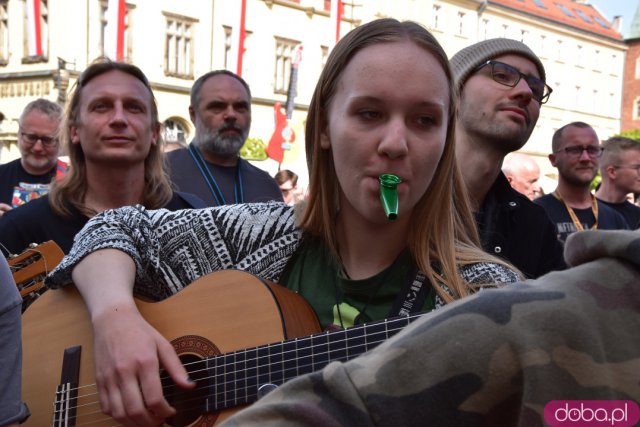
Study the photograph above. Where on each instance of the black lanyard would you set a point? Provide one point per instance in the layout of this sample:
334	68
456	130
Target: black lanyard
412	296
238	188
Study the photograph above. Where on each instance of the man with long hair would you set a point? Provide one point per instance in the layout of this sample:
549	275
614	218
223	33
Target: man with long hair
112	134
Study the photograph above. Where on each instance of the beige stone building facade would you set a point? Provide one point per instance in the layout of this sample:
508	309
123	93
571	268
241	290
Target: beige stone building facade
174	42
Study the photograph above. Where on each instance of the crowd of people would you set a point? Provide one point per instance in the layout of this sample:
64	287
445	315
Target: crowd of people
516	290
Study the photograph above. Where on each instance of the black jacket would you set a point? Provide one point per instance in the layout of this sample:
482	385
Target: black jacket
514	228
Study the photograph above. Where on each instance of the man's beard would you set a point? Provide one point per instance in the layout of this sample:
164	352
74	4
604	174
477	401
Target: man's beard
218	144
578	180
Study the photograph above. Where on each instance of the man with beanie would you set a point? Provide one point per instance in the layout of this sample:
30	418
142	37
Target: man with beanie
502	87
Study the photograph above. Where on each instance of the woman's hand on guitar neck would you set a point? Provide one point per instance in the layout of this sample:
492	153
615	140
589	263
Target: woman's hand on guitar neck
128	351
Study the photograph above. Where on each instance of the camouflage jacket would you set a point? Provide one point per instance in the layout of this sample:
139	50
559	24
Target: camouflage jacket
496	358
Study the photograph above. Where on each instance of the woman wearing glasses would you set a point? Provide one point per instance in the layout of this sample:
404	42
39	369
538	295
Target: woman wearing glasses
38	144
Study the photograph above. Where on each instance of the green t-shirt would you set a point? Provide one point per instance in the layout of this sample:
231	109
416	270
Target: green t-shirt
316	275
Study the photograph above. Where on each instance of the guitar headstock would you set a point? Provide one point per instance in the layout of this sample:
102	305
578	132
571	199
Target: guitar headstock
31	266
296	57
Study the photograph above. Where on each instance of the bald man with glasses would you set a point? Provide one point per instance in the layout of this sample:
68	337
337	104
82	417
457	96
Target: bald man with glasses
502	88
572	206
39	148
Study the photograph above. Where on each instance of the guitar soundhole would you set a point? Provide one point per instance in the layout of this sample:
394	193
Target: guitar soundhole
191	403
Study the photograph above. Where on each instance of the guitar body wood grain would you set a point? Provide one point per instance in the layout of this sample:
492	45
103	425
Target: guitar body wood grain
231	309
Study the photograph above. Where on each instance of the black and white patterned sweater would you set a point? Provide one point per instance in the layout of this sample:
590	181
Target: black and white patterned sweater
172	249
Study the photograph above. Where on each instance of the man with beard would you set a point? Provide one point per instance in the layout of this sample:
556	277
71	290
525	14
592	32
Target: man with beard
38	143
572	207
502	87
211	167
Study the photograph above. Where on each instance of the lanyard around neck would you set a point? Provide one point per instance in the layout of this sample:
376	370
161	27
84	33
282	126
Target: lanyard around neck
238	188
574	217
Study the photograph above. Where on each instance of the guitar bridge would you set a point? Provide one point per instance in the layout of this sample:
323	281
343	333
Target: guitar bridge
66	402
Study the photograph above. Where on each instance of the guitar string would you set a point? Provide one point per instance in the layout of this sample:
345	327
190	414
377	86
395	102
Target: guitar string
248	398
271	373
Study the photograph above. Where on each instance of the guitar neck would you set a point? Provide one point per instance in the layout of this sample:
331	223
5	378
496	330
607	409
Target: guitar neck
291	92
234	378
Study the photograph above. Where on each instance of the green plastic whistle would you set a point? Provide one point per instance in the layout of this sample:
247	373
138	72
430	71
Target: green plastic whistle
389	194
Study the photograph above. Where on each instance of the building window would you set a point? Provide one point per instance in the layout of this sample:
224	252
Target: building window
228	41
614	65
4	33
636	109
540	4
579	56
524	36
324	55
44	34
435	17
461	28
559	52
564	10
596	61
505	30
174	132
543	45
178	56
127	25
485	29
557	97
600	22
638	68
285	49
584	17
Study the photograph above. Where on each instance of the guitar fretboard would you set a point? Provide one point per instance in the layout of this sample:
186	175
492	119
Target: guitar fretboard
233	379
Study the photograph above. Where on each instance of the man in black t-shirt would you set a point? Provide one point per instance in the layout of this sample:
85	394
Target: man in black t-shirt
211	167
572	207
620	170
38	128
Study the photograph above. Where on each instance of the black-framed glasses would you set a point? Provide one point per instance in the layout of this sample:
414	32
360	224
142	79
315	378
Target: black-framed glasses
32	138
507	75
593	151
634	167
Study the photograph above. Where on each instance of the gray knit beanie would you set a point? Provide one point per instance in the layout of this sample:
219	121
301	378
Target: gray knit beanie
468	59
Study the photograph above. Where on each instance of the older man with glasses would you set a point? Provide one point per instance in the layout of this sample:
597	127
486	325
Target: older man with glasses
502	88
38	143
572	207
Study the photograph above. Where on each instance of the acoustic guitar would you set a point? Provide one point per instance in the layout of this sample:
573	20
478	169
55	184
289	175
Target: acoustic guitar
235	334
30	268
